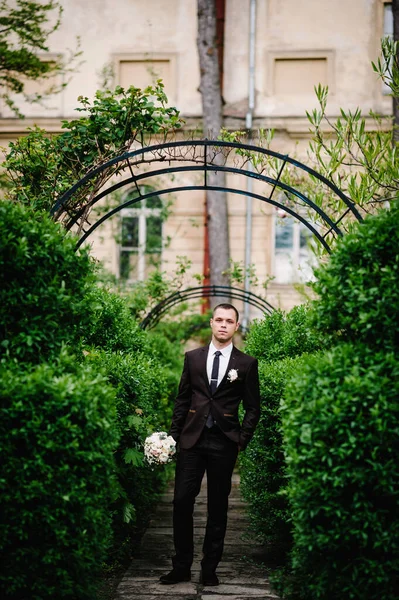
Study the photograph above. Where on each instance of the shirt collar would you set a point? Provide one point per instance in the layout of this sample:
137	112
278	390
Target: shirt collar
226	351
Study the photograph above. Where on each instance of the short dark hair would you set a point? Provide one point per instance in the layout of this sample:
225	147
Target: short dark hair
226	306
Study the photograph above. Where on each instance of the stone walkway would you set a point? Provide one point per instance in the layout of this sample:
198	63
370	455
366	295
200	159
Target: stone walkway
240	578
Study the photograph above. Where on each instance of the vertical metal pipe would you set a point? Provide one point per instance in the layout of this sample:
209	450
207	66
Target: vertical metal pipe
248	125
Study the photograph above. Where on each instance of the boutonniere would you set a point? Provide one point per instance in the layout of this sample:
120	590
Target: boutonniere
232	375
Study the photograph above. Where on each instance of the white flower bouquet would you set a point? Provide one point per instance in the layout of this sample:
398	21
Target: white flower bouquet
159	448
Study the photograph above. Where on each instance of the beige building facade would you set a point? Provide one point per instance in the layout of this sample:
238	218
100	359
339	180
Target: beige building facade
297	45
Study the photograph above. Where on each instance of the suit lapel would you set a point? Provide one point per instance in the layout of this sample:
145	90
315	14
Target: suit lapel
202	366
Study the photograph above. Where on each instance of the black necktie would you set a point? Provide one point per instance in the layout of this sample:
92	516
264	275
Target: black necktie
214	383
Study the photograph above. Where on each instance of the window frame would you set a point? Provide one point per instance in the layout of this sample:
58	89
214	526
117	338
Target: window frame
294	252
385	89
142	213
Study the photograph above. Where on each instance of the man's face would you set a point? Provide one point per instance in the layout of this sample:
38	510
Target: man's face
224	325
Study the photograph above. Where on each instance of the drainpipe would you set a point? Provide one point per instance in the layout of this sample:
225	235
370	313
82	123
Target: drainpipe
248	125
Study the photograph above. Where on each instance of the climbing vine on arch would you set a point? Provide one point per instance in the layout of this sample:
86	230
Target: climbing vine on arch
40	168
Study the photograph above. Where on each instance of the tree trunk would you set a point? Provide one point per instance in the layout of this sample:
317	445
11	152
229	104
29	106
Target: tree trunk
210	87
395	14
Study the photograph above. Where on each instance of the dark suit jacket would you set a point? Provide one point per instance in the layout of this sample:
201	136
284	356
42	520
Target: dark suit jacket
194	399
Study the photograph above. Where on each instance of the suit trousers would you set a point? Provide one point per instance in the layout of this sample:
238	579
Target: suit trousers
216	455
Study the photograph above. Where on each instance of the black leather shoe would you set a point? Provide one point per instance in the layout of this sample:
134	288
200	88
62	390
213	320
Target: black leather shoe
209	578
175	576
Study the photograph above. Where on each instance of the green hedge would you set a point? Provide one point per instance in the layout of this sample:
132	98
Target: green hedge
358	287
262	465
141	402
109	325
340	426
43	292
49	299
278	342
143	370
57	441
283	335
112	328
341	439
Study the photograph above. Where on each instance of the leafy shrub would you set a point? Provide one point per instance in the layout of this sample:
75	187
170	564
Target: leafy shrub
144	369
182	327
263	470
170	356
57	440
110	325
359	294
282	335
41	167
277	342
43	292
50	298
142	406
340	423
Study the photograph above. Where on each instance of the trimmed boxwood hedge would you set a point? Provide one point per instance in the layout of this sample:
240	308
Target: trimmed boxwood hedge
278	342
110	326
141	402
50	300
57	439
340	426
139	368
358	288
262	466
44	285
282	335
340	421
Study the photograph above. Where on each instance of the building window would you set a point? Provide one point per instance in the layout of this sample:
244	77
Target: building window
293	258
141	236
388	32
388	20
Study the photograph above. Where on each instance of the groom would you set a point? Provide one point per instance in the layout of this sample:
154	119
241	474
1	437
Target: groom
205	423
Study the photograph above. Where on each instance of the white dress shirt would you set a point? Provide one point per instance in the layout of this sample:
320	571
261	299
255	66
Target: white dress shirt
223	360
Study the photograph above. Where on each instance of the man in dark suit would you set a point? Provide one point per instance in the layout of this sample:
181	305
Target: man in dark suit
205	423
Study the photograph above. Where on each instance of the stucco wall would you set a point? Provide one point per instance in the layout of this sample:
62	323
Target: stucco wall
298	44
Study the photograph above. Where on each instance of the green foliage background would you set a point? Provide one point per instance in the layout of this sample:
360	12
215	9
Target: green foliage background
320	474
341	440
279	342
358	287
43	292
57	479
81	387
339	426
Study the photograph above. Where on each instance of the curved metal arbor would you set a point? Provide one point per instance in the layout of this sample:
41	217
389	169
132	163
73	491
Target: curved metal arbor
323	214
203	291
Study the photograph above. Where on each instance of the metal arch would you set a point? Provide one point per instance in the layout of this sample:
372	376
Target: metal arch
193	187
205	166
204	291
264	178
